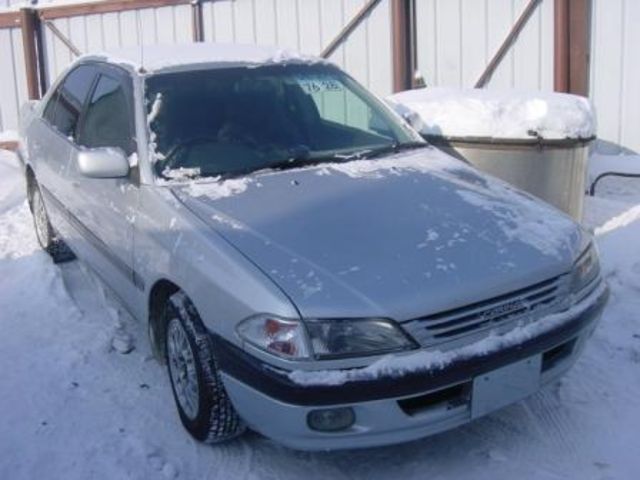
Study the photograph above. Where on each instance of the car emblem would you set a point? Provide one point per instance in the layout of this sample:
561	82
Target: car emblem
503	310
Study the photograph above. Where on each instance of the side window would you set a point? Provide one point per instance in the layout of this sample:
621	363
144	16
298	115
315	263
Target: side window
107	120
63	110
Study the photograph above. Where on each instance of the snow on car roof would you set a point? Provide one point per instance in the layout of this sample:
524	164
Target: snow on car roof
169	57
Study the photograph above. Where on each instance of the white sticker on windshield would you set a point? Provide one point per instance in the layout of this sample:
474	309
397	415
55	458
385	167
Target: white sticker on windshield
319	83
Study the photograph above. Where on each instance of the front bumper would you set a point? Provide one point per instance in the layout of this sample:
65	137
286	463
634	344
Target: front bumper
389	409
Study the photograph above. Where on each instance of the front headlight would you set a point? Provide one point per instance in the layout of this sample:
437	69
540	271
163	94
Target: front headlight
324	339
585	270
341	338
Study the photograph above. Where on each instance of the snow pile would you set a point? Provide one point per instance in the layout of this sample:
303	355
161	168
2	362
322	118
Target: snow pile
9	136
503	114
618	256
11	189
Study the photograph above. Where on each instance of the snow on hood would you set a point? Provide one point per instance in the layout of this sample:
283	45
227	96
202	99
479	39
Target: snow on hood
373	236
518	215
216	188
499	114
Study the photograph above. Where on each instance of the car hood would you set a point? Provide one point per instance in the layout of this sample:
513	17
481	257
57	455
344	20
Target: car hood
398	237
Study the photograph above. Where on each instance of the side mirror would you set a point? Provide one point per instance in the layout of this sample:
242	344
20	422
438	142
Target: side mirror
103	163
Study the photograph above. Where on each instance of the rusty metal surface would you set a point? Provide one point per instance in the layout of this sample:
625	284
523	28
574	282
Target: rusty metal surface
572	46
108	6
28	21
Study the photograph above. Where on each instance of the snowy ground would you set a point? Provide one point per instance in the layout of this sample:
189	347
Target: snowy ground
74	408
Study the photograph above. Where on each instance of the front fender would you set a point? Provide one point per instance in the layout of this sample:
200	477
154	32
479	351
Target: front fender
172	244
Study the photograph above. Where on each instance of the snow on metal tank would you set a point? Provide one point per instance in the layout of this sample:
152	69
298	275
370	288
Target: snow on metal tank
535	141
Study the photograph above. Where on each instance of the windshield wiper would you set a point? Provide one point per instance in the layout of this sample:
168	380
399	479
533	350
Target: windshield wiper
392	148
297	159
303	161
301	157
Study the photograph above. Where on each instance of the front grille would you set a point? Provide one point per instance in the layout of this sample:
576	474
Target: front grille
487	314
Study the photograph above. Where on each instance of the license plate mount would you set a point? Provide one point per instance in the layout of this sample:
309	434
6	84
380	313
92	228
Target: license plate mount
505	385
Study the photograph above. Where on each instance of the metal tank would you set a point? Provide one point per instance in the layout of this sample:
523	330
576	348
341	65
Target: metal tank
553	170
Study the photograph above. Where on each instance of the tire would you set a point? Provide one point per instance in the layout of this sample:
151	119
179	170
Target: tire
46	235
201	399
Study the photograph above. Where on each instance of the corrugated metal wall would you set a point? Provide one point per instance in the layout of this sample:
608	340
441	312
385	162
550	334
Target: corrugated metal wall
304	25
13	80
115	30
615	72
308	26
458	38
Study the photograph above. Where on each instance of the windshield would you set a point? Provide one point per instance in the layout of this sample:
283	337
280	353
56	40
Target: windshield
232	121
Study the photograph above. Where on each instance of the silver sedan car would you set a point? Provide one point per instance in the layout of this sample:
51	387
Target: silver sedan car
308	267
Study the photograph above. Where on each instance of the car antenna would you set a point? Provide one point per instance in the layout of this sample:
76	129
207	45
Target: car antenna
140	37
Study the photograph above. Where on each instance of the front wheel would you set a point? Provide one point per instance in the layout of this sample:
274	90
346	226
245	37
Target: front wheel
203	404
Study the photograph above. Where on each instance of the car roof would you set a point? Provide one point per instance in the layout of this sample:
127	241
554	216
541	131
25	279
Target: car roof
157	58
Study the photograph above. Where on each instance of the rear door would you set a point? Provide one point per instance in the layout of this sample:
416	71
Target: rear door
51	139
104	209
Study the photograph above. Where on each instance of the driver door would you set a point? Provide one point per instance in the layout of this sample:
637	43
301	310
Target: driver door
104	209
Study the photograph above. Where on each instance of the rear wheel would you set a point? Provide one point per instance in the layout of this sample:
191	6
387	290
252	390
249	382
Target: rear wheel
203	404
47	238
